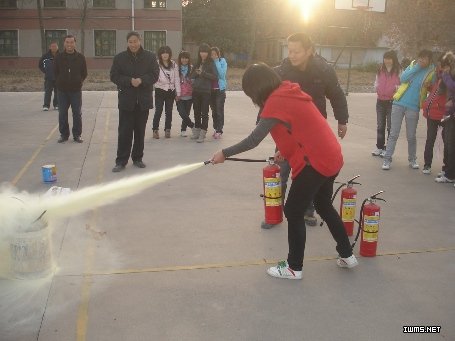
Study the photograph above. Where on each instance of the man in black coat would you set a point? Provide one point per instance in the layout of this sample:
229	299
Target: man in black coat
134	71
46	65
70	73
318	79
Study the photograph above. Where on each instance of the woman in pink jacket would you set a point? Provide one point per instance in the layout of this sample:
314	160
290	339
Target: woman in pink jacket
167	89
387	82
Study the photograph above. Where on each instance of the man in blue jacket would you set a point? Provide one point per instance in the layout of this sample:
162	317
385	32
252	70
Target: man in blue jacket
46	65
419	75
319	80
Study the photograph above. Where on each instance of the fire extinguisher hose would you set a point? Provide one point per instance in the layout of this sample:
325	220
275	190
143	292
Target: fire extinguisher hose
239	159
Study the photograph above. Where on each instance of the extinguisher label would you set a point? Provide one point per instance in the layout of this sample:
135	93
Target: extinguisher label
370	228
348	210
272	191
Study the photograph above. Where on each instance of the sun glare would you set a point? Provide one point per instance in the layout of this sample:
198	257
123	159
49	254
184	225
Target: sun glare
306	8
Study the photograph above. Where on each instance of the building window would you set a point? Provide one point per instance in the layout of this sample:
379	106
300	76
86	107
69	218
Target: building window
154	4
8	4
104	43
54	3
8	43
153	40
103	3
55	35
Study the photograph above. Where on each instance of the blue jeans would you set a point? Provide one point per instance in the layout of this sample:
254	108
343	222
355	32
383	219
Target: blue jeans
217	99
412	118
65	100
308	186
383	111
49	86
184	109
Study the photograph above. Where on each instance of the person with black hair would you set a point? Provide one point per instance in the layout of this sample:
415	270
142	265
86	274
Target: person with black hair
134	71
318	79
305	139
70	70
167	89
186	91
386	83
203	73
46	65
418	78
218	96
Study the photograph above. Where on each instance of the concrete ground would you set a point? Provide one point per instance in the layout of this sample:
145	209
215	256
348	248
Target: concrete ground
186	259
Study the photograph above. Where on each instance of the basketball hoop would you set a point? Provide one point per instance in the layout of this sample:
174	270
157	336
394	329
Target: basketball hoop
361	5
363	8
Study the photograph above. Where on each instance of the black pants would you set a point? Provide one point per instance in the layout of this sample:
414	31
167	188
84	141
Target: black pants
217	99
383	114
65	100
131	123
449	127
166	99
184	109
49	86
432	131
307	186
201	104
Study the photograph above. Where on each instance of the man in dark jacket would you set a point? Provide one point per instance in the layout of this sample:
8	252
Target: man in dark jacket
46	65
134	71
318	79
70	73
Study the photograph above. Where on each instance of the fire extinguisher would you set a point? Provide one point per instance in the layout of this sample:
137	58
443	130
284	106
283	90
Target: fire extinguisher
369	226
348	203
273	206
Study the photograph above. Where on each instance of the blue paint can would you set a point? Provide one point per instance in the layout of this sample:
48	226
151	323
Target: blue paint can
49	173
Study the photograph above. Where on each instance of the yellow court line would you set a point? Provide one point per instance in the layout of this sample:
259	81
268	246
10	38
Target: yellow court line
35	154
82	314
246	263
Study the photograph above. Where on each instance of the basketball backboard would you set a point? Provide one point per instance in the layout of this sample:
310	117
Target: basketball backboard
369	5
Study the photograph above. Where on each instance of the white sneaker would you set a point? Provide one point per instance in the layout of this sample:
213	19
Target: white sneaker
386	165
282	270
426	170
45	109
382	153
414	165
443	179
183	133
441	173
349	262
377	152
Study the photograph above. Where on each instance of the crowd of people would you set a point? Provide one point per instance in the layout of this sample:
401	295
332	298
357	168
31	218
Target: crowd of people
421	86
292	102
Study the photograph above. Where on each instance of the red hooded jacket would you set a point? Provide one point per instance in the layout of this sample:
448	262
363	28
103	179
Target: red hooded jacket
310	139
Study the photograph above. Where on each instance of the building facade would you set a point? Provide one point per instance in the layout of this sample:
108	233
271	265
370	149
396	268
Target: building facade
100	28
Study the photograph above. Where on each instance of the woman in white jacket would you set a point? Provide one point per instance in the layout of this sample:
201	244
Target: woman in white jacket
167	89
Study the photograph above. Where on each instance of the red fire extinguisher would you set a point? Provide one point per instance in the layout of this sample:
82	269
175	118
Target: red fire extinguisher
369	226
273	205
348	203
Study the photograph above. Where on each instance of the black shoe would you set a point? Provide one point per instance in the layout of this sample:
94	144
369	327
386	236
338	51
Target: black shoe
62	139
139	164
118	168
78	139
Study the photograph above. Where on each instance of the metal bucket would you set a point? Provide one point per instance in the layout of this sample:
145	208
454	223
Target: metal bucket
31	255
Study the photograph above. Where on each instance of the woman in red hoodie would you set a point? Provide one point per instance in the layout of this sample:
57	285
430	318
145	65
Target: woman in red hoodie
304	138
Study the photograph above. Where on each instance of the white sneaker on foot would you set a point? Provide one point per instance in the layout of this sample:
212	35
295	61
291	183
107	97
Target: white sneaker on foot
377	152
282	270
443	179
426	170
349	262
183	133
441	173
386	165
414	165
